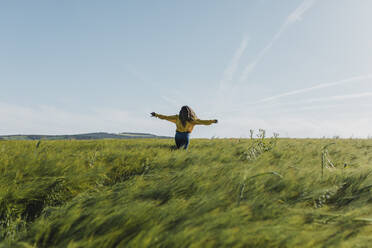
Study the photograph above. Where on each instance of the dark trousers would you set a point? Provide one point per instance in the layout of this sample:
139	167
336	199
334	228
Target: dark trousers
182	139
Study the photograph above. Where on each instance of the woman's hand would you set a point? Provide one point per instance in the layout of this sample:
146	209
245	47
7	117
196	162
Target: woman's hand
215	121
153	114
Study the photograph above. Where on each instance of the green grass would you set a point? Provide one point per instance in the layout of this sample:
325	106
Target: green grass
219	193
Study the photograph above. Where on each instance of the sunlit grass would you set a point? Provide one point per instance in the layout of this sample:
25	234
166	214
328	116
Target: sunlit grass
222	192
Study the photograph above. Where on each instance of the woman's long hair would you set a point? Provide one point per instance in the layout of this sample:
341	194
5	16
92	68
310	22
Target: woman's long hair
187	114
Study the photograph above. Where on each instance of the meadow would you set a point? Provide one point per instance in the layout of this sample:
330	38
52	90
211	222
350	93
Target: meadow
258	192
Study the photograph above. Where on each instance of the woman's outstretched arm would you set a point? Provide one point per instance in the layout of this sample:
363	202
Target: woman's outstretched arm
204	122
172	118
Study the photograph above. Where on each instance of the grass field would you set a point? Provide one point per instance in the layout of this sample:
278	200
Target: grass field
261	192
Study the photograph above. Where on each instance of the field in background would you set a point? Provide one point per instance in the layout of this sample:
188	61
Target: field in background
262	192
84	136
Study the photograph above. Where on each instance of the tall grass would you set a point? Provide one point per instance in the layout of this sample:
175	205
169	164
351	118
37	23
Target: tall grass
258	192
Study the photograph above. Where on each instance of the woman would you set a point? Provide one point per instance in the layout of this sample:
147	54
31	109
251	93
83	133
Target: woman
185	123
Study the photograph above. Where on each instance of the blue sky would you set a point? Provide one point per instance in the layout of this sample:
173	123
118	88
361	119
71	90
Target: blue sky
301	68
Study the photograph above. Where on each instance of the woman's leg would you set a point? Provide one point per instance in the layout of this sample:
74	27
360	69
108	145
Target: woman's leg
187	140
178	139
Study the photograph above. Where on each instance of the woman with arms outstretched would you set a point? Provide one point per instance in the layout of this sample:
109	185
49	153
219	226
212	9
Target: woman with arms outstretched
185	122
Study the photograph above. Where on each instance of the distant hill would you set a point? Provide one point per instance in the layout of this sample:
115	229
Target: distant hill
86	136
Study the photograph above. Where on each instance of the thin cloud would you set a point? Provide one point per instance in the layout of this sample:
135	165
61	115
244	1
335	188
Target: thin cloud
297	14
295	126
170	101
293	17
316	87
138	75
340	97
230	70
17	119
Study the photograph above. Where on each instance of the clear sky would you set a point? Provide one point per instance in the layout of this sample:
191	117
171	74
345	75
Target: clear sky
301	68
